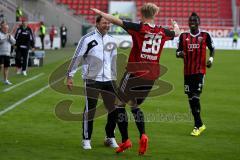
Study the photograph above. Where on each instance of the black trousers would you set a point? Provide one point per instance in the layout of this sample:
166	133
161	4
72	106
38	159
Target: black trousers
92	91
21	58
63	41
42	40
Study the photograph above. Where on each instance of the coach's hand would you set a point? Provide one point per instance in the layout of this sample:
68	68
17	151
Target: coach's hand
69	83
180	54
209	62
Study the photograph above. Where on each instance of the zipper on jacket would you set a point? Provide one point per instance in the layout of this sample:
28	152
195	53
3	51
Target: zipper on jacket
103	59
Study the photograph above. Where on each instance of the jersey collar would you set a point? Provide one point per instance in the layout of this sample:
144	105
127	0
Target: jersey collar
195	35
99	33
151	25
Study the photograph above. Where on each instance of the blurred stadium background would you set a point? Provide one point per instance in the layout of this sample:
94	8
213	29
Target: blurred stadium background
30	129
220	17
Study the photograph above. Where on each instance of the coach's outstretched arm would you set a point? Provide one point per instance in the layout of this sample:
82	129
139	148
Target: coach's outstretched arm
109	17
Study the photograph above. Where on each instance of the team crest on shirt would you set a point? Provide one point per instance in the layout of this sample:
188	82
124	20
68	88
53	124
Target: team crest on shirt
200	39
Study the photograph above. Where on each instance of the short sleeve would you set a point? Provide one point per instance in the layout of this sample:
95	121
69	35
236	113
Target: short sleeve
169	34
209	41
127	25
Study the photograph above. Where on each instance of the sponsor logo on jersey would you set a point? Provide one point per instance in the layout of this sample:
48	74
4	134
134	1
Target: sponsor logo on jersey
193	46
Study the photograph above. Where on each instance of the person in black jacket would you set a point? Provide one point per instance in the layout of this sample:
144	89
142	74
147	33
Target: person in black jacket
24	41
63	35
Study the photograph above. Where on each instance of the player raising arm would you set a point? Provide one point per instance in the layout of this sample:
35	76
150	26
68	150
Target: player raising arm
146	19
142	69
192	48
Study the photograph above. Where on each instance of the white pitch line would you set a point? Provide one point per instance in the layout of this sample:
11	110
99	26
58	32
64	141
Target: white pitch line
23	100
21	83
28	97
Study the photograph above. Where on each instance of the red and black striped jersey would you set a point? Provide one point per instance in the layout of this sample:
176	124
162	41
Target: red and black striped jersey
148	41
194	48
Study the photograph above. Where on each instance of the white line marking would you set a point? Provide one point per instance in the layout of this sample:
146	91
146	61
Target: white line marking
27	80
23	100
28	97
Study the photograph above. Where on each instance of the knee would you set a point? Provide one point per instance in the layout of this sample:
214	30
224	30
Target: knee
194	100
194	96
133	104
119	103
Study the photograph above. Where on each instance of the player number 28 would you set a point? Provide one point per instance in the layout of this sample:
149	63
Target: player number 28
152	43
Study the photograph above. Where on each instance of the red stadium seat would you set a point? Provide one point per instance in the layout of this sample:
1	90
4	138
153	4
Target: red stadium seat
58	1
238	2
64	1
190	5
212	12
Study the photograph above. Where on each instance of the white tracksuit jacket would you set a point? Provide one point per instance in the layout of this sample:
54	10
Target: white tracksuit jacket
97	55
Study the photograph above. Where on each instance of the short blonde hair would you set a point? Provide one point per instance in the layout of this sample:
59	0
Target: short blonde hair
149	10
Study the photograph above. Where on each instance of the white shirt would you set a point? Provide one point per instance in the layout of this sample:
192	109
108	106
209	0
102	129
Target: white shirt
6	42
97	55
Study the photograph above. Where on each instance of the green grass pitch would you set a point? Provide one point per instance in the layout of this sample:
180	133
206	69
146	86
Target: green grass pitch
32	130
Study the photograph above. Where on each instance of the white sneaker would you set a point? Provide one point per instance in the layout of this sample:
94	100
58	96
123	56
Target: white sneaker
110	142
7	82
24	73
86	144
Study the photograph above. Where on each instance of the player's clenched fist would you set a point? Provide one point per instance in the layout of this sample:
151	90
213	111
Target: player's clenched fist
69	83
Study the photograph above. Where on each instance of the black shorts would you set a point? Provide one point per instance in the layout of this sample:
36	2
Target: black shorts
235	41
5	60
134	89
193	83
